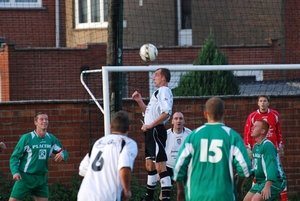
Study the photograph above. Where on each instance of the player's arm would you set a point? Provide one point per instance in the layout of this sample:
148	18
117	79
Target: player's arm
125	175
270	158
266	191
2	146
61	153
241	159
17	155
247	132
161	118
138	98
279	136
125	165
84	164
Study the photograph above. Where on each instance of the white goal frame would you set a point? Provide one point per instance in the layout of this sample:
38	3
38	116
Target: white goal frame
107	69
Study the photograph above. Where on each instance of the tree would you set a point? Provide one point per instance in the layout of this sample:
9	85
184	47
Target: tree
206	83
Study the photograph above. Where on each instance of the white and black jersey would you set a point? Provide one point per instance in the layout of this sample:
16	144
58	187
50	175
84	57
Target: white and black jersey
100	168
173	144
161	102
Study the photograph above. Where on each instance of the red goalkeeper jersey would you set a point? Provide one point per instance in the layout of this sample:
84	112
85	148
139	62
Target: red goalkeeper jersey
274	134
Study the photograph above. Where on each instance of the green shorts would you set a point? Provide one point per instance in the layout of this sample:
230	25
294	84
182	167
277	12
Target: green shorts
276	188
33	184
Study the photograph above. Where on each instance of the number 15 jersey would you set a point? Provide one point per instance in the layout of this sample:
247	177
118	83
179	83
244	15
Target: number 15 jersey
100	168
207	160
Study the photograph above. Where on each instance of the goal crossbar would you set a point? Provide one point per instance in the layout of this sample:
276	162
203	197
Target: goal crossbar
107	69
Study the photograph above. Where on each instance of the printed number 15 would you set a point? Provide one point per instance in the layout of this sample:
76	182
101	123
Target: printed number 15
215	147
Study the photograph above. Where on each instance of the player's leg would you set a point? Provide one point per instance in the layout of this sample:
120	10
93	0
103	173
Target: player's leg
255	189
170	171
150	166
284	193
151	179
13	199
40	199
248	196
21	188
160	136
41	190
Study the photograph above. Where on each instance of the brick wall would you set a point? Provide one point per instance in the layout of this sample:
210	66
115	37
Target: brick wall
53	73
47	73
37	25
188	55
292	23
78	124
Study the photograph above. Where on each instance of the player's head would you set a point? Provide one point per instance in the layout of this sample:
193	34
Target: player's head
264	96
164	72
120	122
260	129
214	109
178	121
41	120
263	103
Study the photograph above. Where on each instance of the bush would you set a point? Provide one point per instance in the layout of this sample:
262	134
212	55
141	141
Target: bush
57	191
207	83
61	192
5	187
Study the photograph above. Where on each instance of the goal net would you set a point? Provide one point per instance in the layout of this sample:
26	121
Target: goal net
249	80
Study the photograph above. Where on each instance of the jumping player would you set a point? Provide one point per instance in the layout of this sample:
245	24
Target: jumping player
156	114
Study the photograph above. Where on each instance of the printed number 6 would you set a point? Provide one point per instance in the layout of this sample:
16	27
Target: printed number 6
98	162
214	147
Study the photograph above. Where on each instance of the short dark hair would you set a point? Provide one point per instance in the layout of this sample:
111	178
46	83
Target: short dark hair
215	108
265	125
166	73
264	96
120	122
37	114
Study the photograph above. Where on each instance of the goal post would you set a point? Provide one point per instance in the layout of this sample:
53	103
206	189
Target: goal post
180	68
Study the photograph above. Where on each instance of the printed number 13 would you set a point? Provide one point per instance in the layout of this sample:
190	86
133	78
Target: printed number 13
215	147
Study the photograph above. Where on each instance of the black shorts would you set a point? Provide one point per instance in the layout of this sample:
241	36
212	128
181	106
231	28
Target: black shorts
155	143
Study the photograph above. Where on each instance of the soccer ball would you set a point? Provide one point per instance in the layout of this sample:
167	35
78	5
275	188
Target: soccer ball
148	52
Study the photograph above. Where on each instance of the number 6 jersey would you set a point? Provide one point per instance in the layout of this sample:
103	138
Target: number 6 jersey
100	168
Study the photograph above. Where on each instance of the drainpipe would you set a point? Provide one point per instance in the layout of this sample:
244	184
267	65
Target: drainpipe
57	22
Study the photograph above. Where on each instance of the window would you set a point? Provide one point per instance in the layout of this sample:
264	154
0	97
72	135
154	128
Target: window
20	3
91	14
184	22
